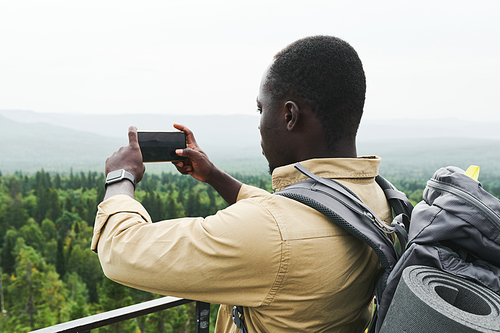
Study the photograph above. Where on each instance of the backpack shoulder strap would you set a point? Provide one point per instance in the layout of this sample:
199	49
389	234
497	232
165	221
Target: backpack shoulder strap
397	199
342	206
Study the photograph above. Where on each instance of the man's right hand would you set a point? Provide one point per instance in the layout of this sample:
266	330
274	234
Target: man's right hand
201	168
197	163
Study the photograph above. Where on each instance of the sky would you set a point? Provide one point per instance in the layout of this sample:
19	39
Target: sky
423	59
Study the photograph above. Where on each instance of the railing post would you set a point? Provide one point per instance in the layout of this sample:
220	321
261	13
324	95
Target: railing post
202	317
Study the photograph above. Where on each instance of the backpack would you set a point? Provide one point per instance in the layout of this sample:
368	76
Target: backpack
455	229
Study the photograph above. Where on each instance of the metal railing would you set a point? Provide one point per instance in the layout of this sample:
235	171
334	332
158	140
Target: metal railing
84	325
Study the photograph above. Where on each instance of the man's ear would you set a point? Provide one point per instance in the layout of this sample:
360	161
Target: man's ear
292	115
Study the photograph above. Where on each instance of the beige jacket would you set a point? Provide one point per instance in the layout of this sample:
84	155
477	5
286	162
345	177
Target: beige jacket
290	267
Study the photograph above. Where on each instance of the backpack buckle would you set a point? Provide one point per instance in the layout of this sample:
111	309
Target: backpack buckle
238	318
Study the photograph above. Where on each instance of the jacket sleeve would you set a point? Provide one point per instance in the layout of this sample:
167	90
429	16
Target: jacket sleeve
226	258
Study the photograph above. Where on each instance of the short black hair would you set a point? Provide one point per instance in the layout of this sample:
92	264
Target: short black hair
328	75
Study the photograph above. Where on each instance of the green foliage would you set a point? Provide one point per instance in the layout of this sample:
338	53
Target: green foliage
8	254
78	296
35	296
112	296
50	275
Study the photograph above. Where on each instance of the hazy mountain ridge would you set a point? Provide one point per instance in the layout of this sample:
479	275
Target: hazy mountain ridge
244	127
32	146
59	142
32	143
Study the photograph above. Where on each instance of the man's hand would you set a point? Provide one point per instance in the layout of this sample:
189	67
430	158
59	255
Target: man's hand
128	157
201	168
197	163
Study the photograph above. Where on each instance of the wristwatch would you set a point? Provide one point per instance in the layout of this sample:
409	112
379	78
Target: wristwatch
119	175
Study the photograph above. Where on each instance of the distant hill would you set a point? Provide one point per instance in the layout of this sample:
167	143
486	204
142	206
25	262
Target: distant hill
32	146
59	142
243	128
410	129
36	141
420	158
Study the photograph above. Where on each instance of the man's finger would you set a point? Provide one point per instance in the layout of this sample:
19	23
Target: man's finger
132	137
189	135
183	152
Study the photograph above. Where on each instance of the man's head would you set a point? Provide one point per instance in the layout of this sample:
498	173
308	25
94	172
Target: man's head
317	77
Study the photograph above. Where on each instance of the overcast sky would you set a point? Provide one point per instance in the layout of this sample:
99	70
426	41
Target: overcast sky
423	59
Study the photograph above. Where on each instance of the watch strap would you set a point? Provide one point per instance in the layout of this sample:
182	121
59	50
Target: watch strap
119	175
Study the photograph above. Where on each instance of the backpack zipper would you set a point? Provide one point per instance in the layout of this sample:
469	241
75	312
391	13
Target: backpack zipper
490	214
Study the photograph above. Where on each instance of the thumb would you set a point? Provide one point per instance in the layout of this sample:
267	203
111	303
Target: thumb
132	137
184	152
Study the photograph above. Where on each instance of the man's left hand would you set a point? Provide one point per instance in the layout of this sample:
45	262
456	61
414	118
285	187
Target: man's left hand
128	157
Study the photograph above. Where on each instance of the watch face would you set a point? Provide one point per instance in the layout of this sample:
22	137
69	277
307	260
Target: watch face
114	175
119	175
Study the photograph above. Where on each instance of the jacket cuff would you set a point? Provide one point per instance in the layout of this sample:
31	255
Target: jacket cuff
115	205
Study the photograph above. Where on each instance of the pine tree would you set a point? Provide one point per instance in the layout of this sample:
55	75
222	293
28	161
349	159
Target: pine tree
8	254
172	208
113	296
35	295
32	235
212	206
78	296
48	229
13	213
57	182
60	261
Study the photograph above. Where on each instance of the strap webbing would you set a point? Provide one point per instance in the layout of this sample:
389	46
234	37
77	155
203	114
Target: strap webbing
238	318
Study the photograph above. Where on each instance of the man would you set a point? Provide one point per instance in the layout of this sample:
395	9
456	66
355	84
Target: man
290	267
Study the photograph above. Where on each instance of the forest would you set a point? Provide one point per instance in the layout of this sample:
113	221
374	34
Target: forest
49	274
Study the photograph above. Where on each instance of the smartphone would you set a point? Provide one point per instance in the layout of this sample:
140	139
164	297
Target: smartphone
161	146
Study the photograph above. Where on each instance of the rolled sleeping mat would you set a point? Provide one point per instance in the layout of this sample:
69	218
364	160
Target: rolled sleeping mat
430	300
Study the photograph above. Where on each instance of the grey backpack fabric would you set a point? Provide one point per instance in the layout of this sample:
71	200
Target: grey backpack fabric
456	229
